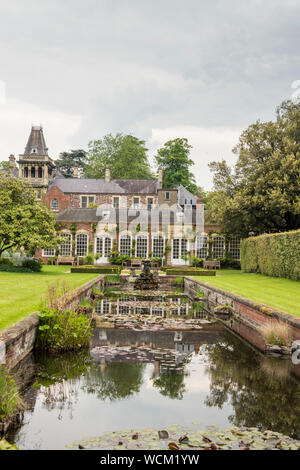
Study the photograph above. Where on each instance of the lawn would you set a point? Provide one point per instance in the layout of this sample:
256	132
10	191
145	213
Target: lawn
21	293
281	294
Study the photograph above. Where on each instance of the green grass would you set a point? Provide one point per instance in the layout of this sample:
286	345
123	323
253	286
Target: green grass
281	294
21	293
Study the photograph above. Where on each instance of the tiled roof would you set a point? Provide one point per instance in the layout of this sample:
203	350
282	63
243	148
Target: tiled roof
99	186
142	216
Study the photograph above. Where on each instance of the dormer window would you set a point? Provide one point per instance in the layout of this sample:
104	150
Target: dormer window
54	205
34	150
167	196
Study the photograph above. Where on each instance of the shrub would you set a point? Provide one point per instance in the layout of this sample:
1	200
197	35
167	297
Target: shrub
228	262
14	269
277	333
10	401
63	331
5	262
198	262
96	269
272	254
89	259
32	264
189	271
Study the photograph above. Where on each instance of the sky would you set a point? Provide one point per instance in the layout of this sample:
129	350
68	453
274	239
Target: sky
157	70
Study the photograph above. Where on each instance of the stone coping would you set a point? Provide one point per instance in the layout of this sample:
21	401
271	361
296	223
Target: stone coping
262	308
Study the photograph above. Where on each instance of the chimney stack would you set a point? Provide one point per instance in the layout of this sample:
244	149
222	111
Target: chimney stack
75	170
160	176
12	164
107	174
199	203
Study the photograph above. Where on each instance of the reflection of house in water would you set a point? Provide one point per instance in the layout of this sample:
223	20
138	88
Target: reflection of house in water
156	339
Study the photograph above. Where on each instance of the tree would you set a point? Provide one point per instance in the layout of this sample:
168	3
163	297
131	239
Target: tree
174	160
125	155
23	221
4	165
261	193
67	161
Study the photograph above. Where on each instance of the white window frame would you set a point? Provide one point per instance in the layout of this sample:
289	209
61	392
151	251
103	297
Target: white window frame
113	202
69	242
120	239
88	196
142	236
179	260
87	244
203	247
235	248
134	205
219	246
103	254
44	252
54	209
163	245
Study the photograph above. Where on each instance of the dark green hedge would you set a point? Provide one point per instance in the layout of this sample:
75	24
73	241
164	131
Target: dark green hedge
96	269
275	254
189	272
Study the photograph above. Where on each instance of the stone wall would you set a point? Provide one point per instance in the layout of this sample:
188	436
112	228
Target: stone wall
248	315
18	341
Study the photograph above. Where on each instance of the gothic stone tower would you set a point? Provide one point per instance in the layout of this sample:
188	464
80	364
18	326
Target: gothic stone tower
35	165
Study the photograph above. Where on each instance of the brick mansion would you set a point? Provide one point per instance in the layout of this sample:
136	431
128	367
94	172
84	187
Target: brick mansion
136	217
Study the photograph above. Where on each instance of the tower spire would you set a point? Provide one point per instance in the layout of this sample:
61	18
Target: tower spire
36	143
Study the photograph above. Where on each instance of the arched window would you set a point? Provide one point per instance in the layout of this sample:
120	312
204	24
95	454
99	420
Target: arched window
234	248
40	172
54	205
141	249
202	247
26	172
81	244
218	246
158	246
66	246
32	172
125	245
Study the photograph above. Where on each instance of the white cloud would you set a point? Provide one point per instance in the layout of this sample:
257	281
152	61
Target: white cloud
16	119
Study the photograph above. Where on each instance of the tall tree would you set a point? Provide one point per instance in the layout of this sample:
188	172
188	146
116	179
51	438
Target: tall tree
23	221
126	156
174	159
67	160
261	193
4	165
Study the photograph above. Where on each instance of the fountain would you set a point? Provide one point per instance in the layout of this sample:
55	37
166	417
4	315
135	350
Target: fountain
146	280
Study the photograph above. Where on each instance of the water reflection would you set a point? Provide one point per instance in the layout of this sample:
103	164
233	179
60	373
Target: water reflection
126	384
260	389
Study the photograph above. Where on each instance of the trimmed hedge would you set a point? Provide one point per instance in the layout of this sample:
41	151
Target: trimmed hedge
275	255
96	269
189	272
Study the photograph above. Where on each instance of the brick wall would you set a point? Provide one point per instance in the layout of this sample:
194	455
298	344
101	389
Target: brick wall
250	315
56	193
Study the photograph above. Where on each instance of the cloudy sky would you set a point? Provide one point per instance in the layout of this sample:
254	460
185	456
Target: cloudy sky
199	69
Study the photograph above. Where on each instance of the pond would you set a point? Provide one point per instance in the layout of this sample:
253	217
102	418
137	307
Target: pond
132	380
